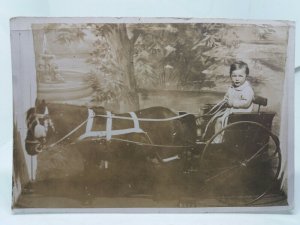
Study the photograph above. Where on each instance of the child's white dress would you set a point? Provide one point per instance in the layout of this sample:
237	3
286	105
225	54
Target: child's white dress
240	99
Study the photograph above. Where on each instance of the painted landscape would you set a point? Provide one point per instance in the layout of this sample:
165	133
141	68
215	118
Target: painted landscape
112	64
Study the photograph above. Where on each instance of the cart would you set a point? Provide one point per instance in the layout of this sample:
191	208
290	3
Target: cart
246	165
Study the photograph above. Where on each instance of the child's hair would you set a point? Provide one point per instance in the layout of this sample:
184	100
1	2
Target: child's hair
239	65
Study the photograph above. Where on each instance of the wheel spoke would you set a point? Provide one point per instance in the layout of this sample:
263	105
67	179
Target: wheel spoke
256	154
242	173
221	173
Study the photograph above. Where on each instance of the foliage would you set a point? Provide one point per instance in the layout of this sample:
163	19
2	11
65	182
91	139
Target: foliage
107	77
105	89
180	48
163	56
167	56
264	31
66	34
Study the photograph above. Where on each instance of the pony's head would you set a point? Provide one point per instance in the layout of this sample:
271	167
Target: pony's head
39	126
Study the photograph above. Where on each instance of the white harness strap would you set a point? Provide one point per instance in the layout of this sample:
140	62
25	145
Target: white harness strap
90	121
136	124
108	125
108	133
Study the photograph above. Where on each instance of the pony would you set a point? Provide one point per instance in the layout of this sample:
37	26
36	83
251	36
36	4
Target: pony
157	133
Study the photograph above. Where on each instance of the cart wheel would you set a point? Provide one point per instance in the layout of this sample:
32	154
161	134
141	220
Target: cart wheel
244	167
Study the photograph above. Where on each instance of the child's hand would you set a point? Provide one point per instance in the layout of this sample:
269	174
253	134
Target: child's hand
225	98
228	103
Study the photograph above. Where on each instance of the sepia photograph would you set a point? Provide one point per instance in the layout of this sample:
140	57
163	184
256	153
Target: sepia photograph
152	113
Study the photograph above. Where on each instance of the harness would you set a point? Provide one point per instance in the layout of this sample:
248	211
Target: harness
38	146
108	133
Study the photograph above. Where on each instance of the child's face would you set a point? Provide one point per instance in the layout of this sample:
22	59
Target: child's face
238	77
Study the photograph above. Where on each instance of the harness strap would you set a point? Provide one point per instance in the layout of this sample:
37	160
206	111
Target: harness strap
108	133
90	121
148	119
100	134
108	125
32	141
135	121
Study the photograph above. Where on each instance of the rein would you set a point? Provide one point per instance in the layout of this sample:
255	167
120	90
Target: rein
69	134
99	134
145	119
146	144
109	117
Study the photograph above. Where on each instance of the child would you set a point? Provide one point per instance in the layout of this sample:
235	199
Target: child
239	97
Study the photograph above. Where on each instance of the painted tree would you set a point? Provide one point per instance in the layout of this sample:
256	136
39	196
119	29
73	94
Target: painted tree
113	56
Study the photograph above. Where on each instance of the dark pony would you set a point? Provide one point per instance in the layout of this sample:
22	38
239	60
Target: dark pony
159	140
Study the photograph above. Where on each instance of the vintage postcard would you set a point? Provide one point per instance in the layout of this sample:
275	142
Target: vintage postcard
152	115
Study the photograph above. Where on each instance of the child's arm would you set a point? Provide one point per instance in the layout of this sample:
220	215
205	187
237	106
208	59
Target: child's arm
226	96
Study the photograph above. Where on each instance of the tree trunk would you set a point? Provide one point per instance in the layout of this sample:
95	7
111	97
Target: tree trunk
124	50
134	98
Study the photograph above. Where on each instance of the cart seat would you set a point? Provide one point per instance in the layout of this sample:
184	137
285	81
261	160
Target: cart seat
260	101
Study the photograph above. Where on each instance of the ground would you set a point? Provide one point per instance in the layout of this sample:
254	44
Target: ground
129	184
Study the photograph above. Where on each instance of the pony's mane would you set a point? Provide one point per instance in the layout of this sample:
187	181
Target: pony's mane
99	109
29	113
30	120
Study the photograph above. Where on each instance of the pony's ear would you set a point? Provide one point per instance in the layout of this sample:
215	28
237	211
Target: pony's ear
37	102
40	106
43	104
40	102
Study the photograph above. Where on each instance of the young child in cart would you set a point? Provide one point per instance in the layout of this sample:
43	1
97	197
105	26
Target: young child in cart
239	98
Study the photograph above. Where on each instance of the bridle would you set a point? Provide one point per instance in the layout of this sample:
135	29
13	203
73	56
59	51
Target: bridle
38	125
